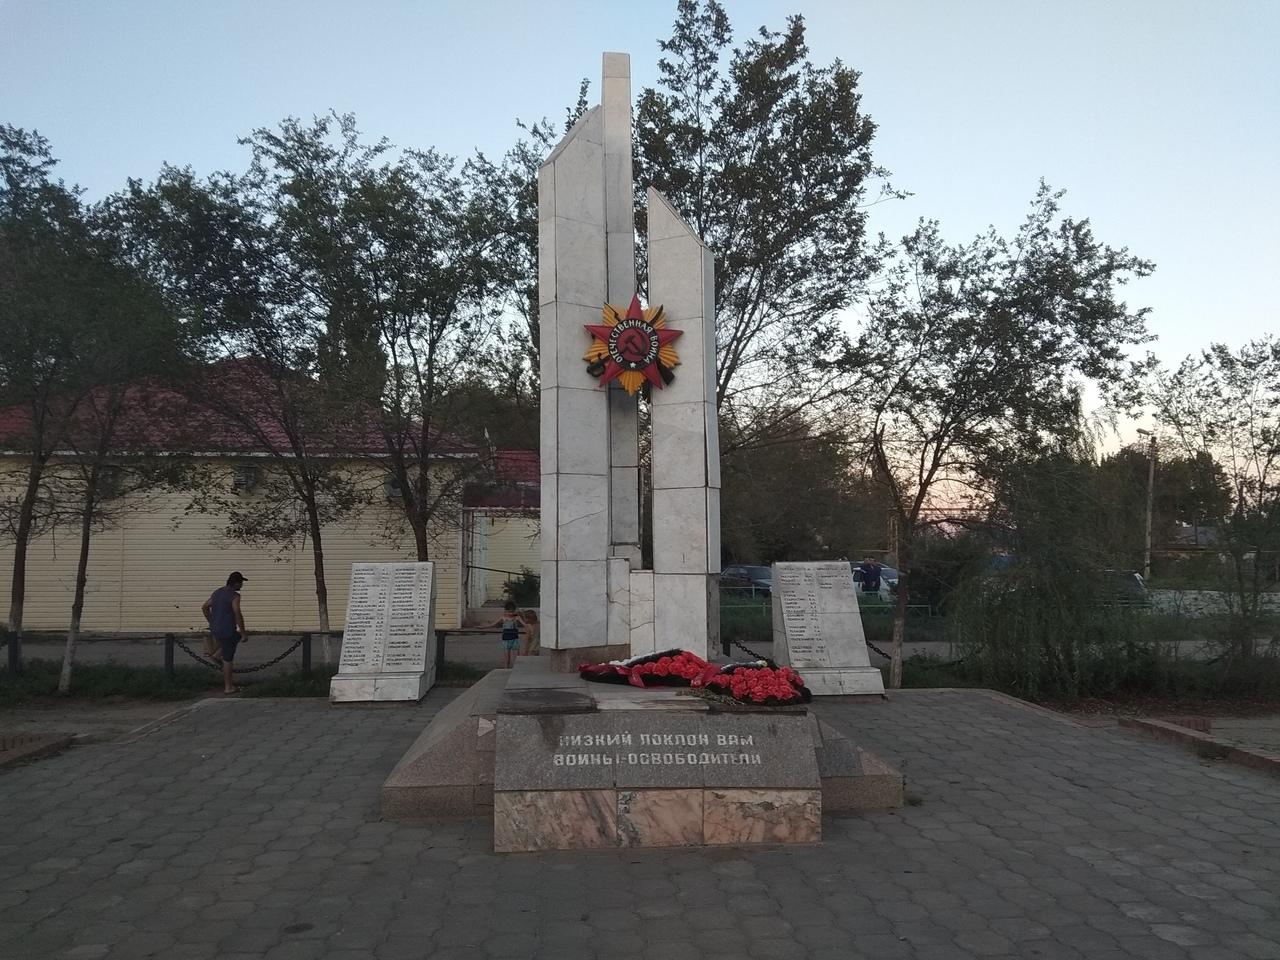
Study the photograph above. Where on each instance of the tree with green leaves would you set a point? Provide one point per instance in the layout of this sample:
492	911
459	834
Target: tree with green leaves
977	353
131	344
222	249
768	157
1187	490
46	283
1222	409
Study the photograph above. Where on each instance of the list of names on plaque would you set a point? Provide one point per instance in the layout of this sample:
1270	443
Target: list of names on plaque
819	612
388	618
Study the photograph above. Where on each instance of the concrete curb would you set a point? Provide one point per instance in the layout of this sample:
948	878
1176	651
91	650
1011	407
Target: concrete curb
1047	712
1206	745
22	749
151	726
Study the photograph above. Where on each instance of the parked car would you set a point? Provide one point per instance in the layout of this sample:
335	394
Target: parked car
747	580
1125	588
888	581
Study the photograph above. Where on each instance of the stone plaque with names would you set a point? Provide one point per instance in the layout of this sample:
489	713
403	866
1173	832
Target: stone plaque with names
388	646
817	628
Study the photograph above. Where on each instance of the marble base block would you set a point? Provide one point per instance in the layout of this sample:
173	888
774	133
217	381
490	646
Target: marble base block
532	820
353	688
554	820
762	816
844	681
659	818
568	661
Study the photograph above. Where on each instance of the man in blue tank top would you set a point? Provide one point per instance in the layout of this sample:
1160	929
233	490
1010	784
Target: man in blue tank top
226	623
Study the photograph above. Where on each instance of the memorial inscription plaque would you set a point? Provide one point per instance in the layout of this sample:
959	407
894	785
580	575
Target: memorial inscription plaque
817	628
631	778
388	645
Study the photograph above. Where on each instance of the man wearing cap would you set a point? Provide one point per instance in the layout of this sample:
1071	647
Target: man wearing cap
226	623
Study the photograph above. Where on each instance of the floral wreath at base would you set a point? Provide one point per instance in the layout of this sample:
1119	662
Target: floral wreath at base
670	668
757	682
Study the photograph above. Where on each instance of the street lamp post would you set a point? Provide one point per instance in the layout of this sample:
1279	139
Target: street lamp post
1151	491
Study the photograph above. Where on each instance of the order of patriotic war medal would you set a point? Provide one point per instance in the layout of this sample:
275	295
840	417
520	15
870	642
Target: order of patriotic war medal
633	348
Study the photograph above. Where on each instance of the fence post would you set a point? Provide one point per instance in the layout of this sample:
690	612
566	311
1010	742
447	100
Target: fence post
440	635
168	654
306	653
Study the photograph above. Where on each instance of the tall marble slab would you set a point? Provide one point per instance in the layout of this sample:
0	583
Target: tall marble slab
685	442
817	628
590	461
620	256
389	642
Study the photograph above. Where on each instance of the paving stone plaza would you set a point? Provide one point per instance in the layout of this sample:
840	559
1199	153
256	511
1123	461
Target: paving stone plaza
248	829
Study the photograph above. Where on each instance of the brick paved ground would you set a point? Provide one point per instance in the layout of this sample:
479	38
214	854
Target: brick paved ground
246	829
1261	731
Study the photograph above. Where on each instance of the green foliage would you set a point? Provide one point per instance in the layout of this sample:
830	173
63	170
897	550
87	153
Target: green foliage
976	354
1187	490
524	589
748	620
768	157
294	684
840	515
98	681
1222	410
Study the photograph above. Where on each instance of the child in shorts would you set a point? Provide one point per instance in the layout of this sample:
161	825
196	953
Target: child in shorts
530	647
511	621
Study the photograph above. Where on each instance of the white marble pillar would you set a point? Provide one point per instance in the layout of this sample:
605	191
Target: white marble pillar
624	440
685	442
572	289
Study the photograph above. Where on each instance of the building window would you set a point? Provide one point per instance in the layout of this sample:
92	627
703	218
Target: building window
245	477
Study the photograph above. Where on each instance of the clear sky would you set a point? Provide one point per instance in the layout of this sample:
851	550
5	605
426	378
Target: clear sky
1160	117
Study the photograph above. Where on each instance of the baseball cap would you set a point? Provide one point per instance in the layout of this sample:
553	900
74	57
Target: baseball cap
237	577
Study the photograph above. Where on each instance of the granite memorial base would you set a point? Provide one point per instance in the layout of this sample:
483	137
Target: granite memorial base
358	688
559	763
448	771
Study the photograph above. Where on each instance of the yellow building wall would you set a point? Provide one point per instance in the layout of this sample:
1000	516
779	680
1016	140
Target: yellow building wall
154	570
511	543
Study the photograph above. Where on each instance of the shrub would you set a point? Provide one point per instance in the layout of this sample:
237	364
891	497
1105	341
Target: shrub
524	589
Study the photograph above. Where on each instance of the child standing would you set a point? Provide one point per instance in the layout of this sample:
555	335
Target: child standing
511	621
530	647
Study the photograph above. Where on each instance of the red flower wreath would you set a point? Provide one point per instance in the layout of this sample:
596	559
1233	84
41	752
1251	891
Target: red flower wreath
672	668
760	682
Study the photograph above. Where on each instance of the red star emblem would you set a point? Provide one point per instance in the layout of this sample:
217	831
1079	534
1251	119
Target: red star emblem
632	348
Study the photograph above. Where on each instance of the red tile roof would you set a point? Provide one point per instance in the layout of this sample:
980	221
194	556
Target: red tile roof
233	406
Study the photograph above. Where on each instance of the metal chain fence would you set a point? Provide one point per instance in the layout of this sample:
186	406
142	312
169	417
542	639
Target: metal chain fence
254	669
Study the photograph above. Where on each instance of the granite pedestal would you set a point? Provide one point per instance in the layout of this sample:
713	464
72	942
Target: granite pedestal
560	763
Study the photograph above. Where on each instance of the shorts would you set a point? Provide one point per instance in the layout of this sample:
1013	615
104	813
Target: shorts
510	641
227	646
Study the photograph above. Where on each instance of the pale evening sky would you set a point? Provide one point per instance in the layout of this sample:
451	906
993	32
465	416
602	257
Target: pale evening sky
1160	117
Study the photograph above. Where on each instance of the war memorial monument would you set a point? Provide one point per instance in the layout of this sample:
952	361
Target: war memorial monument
560	763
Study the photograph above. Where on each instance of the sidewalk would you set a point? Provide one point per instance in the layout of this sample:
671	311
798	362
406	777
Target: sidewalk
1028	836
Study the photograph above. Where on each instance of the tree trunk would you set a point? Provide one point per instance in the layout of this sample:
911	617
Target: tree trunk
420	543
899	629
22	536
322	589
82	577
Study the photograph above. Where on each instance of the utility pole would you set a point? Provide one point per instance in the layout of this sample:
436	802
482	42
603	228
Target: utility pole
1151	494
